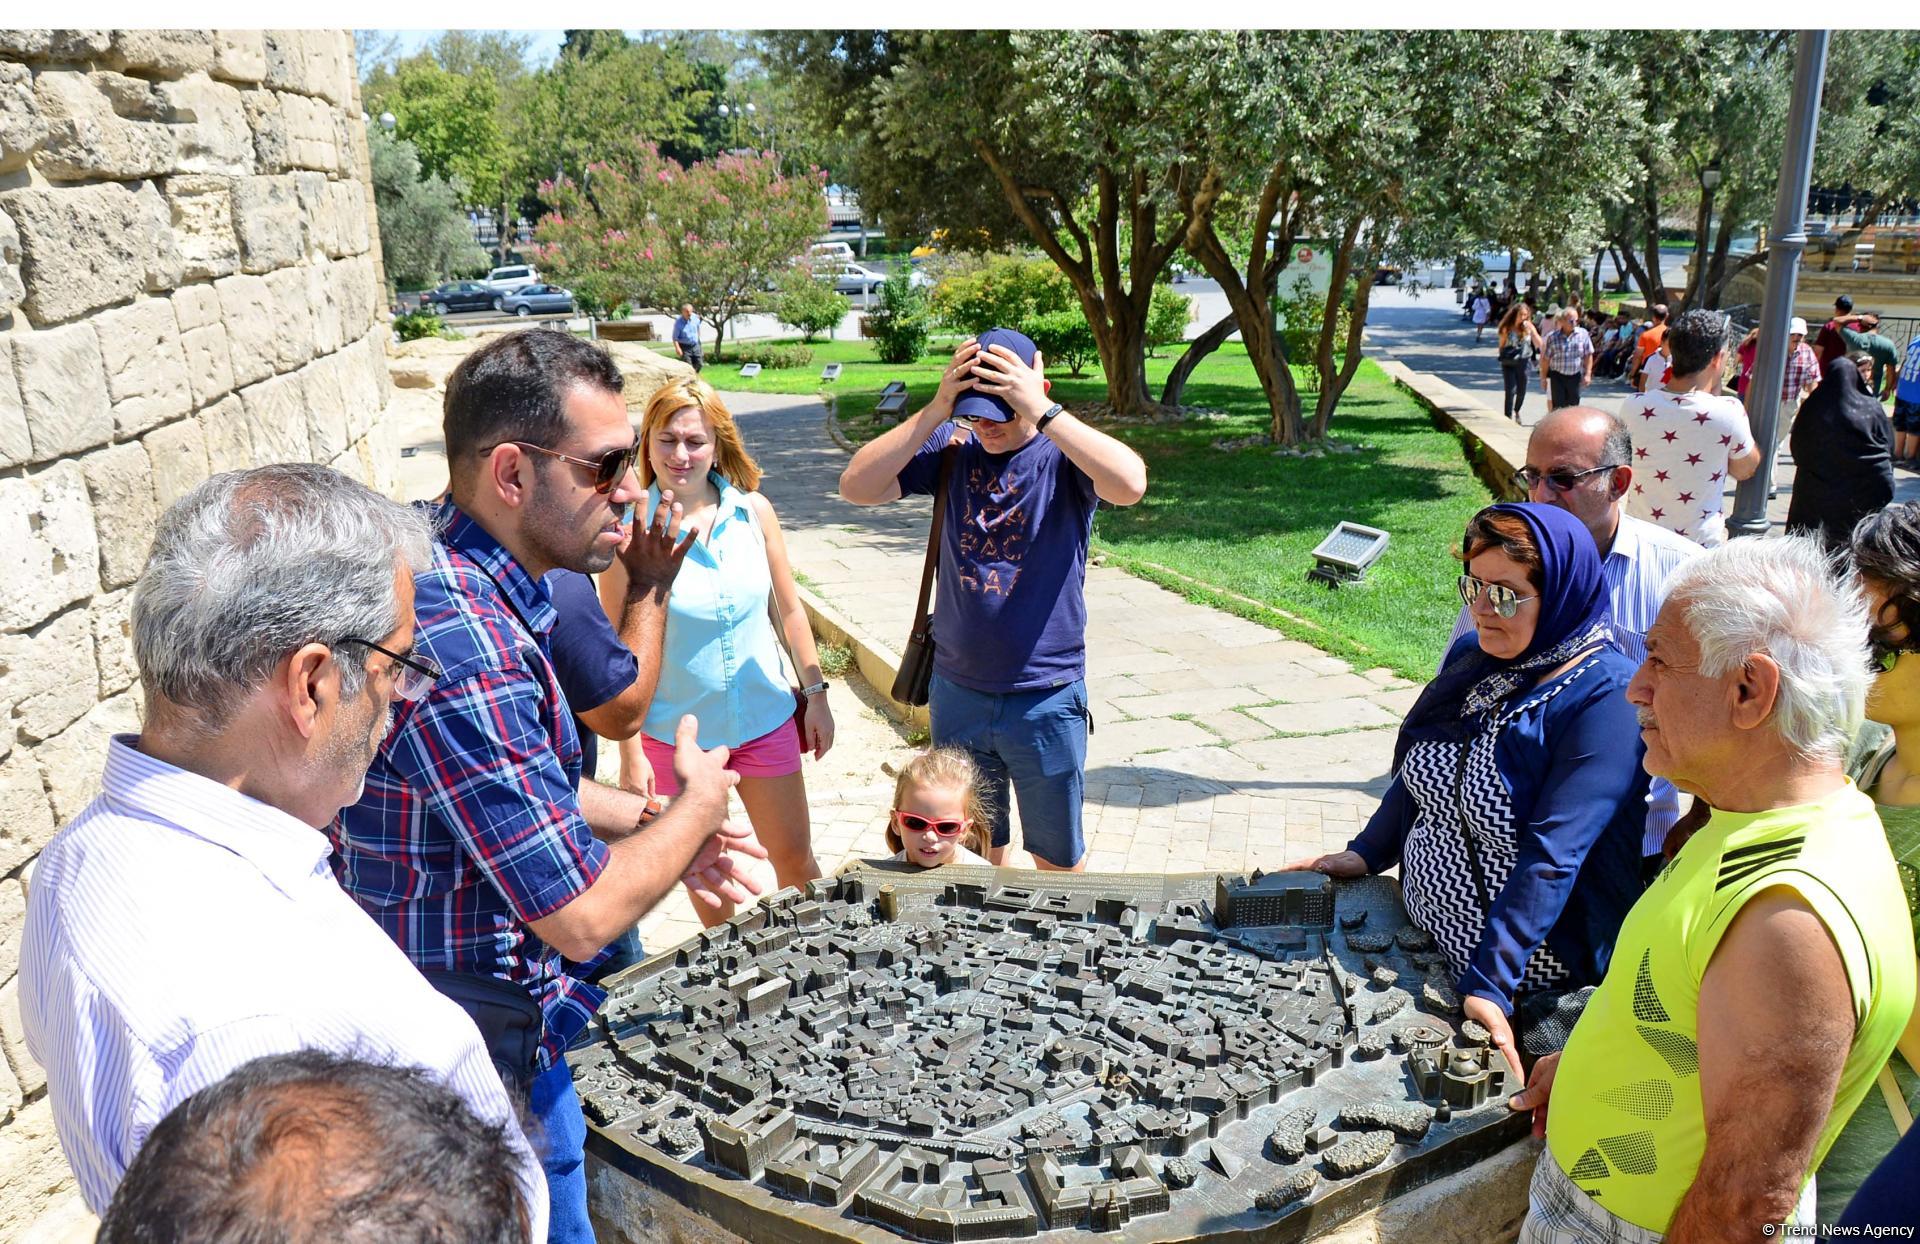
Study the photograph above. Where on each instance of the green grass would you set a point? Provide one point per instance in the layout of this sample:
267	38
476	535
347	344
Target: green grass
1246	521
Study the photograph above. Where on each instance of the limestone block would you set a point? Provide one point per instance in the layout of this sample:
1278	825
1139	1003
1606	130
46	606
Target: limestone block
266	219
239	55
359	298
13	915
162	53
39	1186
112	620
13	1039
367	389
246	306
166	269
196	306
26	818
48	550
54	44
12	287
269	125
179	456
277	411
210	126
22	128
229	437
49	676
293	327
146	368
209	363
353	234
63	387
120	480
381	450
80	248
16	443
316	212
312	141
71	764
286	59
201	209
323	300
330	65
11	1098
326	403
101	125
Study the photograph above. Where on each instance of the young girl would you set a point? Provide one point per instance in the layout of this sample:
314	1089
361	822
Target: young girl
721	659
937	817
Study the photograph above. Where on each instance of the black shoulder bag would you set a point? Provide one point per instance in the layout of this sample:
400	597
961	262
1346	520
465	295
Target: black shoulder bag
911	684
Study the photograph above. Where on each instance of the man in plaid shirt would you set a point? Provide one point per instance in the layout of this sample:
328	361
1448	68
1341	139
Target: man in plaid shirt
476	845
1567	362
1803	373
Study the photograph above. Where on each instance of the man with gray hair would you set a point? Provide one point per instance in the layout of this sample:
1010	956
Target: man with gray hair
187	922
1688	437
1761	982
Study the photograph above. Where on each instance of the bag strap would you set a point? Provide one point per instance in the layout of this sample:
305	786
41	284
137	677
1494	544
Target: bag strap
947	457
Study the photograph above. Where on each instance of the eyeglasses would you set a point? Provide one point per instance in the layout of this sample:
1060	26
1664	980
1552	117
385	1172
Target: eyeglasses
608	469
414	676
915	824
1505	601
1562	480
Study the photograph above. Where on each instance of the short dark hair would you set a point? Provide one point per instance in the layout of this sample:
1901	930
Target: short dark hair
512	389
1659	312
1886	549
1843	304
310	1146
1696	336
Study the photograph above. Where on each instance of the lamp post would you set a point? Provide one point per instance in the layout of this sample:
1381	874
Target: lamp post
388	121
1709	182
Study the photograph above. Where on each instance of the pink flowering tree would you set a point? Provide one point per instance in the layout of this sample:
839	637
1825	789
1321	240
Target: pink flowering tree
647	231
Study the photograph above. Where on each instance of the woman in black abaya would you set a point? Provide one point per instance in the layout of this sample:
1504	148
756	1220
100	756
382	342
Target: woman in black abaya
1842	456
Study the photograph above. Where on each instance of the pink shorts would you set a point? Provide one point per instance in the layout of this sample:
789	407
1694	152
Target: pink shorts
774	754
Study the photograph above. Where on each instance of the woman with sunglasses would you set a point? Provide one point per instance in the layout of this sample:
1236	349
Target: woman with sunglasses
937	817
1518	801
721	660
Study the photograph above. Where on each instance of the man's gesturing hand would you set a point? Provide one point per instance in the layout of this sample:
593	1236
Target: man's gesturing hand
714	877
651	555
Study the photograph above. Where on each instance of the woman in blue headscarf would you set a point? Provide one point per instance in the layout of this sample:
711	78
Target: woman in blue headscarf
1518	800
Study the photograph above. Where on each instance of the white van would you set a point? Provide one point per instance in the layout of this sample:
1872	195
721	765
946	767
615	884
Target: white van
512	277
828	253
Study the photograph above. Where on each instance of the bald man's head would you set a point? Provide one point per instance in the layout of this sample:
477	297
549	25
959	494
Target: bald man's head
1575	445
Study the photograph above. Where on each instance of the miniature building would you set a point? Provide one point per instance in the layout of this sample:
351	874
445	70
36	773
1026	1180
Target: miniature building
1297	898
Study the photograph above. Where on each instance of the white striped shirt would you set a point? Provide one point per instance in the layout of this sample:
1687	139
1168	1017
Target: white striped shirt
1643	557
178	929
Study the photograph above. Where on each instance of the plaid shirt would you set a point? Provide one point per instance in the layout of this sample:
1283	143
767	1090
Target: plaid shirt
1567	352
470	826
1803	372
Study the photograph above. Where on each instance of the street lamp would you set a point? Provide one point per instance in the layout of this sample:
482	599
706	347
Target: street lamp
388	121
1710	182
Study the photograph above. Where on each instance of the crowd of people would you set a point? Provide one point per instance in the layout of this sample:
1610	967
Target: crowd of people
314	957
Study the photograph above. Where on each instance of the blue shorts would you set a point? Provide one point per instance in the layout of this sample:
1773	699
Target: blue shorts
1906	416
1034	740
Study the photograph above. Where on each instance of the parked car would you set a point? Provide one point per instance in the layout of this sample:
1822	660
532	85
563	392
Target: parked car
829	253
851	278
459	296
513	276
537	300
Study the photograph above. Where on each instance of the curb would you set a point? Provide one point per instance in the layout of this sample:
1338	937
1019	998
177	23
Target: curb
879	664
1497	446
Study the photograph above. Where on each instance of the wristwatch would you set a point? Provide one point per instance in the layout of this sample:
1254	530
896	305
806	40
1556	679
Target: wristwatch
1040	425
816	688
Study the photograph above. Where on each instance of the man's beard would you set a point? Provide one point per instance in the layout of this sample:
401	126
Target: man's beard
554	534
352	748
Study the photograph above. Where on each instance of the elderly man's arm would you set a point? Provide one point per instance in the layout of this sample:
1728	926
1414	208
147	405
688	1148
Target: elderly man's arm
1776	1022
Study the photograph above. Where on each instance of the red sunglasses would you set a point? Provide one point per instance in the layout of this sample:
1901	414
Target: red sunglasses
916	824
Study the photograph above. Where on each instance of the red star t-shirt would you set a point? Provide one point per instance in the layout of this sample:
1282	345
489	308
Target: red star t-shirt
1681	445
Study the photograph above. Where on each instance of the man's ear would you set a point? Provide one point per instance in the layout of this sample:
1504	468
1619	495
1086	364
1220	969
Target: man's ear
1755	692
1620	482
307	683
507	474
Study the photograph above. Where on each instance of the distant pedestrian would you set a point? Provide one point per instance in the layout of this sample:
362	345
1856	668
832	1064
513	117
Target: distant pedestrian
1867	339
1687	439
1650	339
686	338
1906	407
1482	311
1520	344
1842	457
1566	361
1802	375
1659	365
1830	345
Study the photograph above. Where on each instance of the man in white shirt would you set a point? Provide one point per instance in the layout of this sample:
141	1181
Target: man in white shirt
1687	439
187	922
1579	458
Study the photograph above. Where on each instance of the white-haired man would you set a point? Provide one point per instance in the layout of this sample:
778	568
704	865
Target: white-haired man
1762	980
187	922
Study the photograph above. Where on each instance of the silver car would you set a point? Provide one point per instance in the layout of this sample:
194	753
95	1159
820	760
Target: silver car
537	300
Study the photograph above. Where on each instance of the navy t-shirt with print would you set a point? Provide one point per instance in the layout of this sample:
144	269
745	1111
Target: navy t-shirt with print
590	663
1010	612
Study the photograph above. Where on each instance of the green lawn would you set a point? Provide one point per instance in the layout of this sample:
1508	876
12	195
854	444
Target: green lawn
1245	520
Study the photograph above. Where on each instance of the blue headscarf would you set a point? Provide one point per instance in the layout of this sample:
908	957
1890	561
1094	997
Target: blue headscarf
1574	615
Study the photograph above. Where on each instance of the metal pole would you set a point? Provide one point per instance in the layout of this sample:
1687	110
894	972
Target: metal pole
1785	242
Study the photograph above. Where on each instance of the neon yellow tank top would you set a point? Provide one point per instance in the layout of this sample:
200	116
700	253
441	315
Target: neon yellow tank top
1625	1121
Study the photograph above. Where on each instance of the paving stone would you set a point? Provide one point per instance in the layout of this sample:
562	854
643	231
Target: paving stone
1318	686
1131	738
1324	716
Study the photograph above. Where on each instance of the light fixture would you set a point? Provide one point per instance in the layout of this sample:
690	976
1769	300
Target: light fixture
1343	557
388	120
1710	178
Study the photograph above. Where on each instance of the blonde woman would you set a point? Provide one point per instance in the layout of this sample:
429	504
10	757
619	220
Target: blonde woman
721	660
1519	345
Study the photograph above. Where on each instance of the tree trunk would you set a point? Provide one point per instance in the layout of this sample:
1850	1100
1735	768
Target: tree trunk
1717	275
1513	268
1650	239
1197	350
1630	264
1597	256
1252	305
1334	381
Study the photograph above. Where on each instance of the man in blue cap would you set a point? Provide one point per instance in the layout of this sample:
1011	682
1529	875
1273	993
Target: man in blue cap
1009	674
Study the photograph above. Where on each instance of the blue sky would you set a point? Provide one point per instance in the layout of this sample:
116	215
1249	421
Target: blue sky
545	42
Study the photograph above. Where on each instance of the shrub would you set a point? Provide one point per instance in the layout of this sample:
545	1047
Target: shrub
901	323
773	355
1302	313
1167	317
1062	337
422	323
1001	291
805	302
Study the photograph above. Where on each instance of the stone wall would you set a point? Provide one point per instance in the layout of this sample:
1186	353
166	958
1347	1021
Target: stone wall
189	282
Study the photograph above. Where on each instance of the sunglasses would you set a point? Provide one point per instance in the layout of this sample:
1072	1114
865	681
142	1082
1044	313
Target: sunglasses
413	676
1505	601
608	469
915	824
1560	481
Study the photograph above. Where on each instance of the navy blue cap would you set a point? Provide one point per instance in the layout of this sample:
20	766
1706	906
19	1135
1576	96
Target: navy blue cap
974	404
